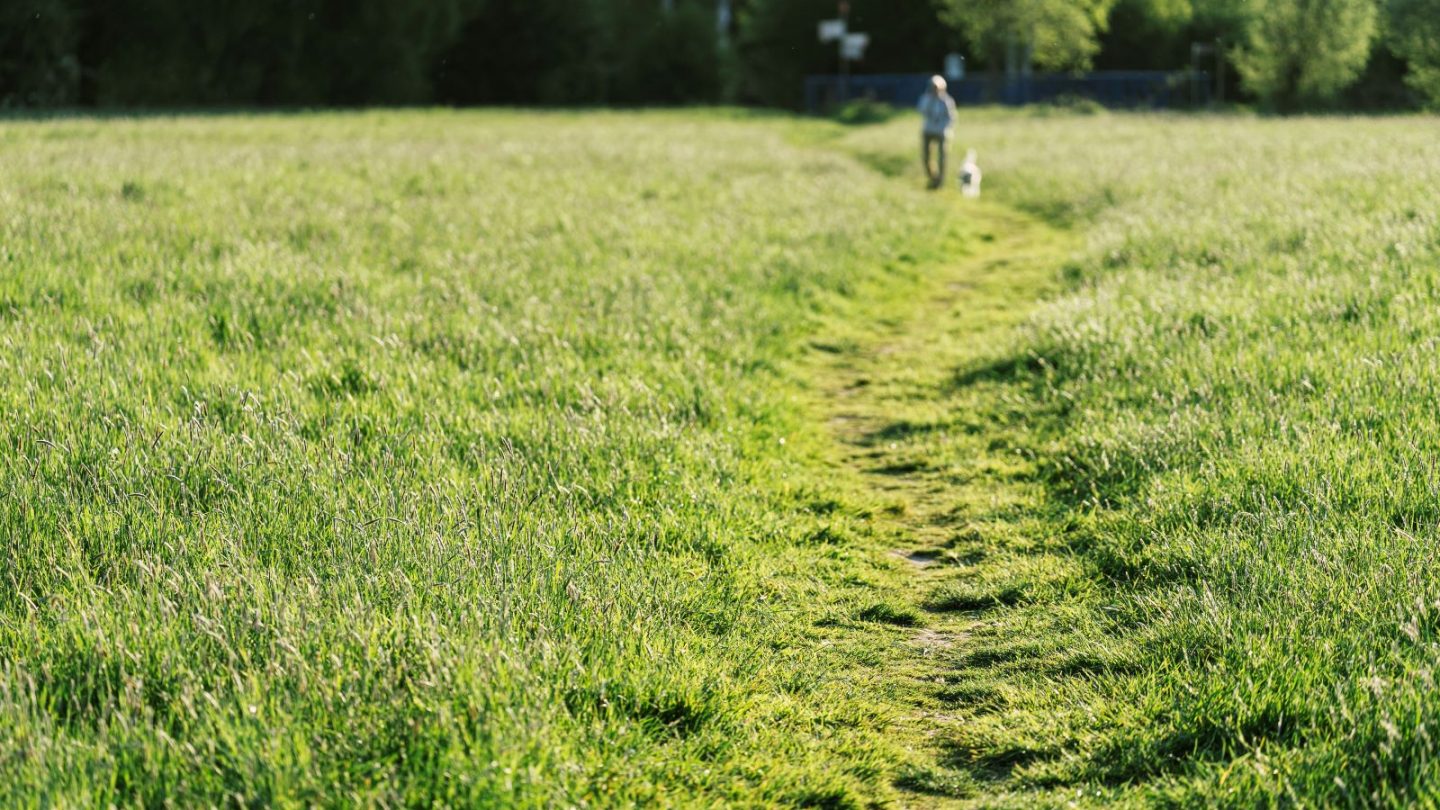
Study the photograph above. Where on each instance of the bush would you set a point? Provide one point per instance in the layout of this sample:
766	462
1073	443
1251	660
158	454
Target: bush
1300	53
865	111
1413	31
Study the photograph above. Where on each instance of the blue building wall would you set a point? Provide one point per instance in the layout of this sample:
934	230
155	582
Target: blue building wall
1143	89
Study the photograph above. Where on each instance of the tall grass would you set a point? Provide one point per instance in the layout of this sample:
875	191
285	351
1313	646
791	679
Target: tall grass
420	458
406	458
1234	408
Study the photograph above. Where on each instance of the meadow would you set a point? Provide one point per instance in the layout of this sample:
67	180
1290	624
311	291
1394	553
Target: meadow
407	458
1229	592
489	459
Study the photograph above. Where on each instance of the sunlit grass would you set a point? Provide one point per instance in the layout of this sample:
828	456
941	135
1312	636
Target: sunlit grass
1233	409
413	457
481	458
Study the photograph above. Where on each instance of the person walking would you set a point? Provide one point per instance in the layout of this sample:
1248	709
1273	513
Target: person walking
937	109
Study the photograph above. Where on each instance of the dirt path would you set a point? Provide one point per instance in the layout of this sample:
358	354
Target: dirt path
907	388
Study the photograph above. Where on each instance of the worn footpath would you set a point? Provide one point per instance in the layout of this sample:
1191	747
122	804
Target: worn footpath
910	388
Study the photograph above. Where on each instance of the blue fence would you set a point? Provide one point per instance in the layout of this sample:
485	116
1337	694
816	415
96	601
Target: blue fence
1110	88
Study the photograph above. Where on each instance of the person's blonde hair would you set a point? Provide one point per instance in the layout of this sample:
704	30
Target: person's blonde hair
938	82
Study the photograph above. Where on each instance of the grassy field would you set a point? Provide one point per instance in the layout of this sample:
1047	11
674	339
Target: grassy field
1229	595
404	458
561	459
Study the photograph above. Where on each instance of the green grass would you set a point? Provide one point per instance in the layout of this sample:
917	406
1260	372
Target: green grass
561	459
422	457
1227	594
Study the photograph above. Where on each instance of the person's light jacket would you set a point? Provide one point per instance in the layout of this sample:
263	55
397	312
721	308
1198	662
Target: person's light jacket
938	110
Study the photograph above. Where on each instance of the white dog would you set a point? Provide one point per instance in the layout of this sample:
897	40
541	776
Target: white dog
970	175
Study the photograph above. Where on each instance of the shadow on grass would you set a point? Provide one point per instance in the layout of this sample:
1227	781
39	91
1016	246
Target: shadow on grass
940	782
965	596
902	430
660	712
997	763
1012	369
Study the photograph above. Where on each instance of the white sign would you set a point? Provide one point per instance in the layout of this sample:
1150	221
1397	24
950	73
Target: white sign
853	46
831	30
954	67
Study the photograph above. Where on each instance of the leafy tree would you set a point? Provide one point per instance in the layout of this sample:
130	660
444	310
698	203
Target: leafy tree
778	48
165	52
1146	34
1061	34
1299	52
583	51
381	51
526	52
660	55
1413	32
38	65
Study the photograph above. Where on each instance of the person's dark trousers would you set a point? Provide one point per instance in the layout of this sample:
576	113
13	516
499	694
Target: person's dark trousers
941	145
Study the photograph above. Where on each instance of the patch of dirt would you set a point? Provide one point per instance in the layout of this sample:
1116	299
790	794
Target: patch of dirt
931	640
920	559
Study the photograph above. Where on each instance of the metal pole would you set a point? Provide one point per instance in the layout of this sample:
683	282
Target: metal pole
844	63
1194	75
723	15
1012	69
1220	70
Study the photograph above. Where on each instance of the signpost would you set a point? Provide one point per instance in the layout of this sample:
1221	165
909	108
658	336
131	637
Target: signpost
954	67
723	17
1198	52
851	45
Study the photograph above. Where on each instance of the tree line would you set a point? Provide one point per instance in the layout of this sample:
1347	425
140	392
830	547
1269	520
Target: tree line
1285	54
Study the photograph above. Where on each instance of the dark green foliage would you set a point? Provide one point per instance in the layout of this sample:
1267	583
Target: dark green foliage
1386	84
165	53
323	52
524	51
160	52
598	51
664	58
1414	34
37	53
778	47
1147	34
